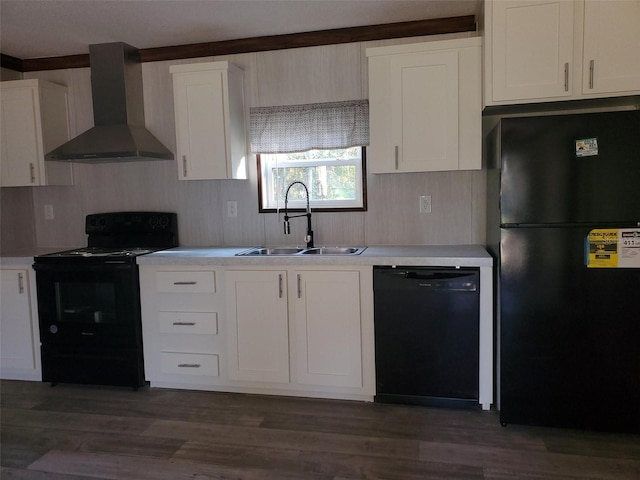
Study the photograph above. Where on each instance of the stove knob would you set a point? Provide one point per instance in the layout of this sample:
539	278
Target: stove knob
53	329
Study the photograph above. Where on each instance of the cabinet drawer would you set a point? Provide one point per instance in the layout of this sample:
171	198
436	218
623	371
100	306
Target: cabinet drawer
189	364
186	282
200	323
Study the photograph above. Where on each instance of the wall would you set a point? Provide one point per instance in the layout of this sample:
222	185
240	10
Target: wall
306	75
8	74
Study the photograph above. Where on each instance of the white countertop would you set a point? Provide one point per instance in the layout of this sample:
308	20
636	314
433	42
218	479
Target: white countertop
422	255
427	255
25	256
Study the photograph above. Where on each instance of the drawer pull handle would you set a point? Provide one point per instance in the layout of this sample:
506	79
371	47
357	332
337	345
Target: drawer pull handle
396	155
299	287
189	365
280	286
591	68
188	324
32	172
184	166
566	77
185	283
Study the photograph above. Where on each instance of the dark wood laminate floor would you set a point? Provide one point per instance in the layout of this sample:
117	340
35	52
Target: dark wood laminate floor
75	432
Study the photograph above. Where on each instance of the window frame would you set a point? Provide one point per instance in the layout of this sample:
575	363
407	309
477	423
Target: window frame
363	208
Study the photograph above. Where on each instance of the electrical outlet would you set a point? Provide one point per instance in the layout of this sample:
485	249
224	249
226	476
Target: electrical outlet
232	209
48	212
425	203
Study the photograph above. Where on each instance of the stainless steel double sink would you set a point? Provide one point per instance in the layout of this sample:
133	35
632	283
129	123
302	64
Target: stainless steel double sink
274	251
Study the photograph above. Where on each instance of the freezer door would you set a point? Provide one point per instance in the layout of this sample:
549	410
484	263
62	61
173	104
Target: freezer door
545	178
569	334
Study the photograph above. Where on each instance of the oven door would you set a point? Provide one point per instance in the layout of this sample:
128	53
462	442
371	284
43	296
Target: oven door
89	305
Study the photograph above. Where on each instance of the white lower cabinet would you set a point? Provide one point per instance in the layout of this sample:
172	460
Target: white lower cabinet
19	334
258	335
301	331
181	314
326	328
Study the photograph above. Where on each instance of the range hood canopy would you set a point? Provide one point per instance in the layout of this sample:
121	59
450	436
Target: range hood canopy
119	133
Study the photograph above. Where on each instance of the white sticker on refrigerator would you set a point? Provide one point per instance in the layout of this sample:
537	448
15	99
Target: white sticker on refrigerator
587	147
614	248
629	248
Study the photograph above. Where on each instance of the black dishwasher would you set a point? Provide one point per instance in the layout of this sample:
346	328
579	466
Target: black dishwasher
427	335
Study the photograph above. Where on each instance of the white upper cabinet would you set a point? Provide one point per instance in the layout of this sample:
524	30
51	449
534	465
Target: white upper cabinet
425	103
210	121
545	50
611	47
532	49
34	121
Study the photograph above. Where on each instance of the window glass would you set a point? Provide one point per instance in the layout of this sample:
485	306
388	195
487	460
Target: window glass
334	178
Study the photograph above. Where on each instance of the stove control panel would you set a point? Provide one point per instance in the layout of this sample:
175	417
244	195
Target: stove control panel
130	222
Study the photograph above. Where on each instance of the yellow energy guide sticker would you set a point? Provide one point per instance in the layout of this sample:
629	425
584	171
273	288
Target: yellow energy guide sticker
614	248
603	248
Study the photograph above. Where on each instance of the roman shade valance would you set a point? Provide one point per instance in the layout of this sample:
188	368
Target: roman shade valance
298	128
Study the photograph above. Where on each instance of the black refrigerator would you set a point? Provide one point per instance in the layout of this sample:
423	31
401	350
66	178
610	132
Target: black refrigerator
563	223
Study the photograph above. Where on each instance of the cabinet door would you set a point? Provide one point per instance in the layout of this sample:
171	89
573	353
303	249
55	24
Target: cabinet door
257	333
611	47
424	117
414	112
328	348
532	48
200	125
20	142
16	334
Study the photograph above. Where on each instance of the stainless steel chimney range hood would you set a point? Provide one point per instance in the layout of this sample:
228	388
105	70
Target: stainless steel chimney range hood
119	134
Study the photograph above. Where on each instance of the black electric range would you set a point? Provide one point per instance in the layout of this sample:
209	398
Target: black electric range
89	300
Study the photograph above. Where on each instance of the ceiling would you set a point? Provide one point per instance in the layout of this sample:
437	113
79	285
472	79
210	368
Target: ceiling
50	28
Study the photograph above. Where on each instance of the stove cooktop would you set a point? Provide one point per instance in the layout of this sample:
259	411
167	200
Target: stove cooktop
103	252
119	237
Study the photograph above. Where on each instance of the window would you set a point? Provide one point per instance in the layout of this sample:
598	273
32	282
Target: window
319	144
335	179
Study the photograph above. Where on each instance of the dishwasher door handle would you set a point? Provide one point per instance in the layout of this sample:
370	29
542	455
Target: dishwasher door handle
435	276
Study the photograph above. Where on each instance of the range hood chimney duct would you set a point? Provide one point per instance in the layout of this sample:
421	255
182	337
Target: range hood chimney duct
119	134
